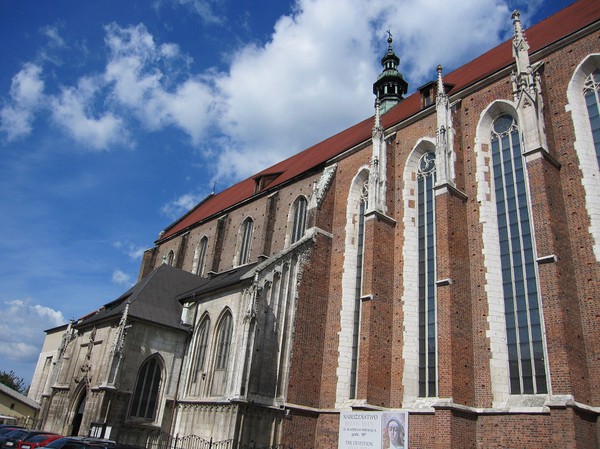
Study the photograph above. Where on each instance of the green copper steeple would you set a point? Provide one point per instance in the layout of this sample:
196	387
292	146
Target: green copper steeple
390	85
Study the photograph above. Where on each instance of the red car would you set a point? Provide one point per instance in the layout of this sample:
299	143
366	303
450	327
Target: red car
37	440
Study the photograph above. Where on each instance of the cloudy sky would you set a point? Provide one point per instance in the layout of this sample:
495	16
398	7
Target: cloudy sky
116	117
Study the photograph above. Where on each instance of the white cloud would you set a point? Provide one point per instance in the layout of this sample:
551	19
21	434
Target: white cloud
309	79
22	326
133	251
121	278
178	206
313	77
205	9
429	33
137	72
54	37
73	111
26	93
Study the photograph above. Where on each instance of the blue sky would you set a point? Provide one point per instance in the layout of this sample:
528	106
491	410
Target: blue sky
116	117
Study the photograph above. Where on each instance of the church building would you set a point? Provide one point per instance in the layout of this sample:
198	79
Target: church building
440	259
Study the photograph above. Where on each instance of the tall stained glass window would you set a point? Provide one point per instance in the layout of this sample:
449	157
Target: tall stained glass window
519	276
426	273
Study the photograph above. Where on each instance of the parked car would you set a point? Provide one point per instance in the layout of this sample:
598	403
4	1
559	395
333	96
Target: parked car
13	440
6	429
15	434
76	442
37	440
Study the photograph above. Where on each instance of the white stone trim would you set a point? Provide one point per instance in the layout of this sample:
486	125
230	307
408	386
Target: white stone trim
496	332
584	145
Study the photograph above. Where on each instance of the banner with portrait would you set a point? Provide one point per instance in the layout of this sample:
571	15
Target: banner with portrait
373	430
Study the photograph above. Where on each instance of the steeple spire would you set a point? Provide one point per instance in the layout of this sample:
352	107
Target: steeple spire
390	85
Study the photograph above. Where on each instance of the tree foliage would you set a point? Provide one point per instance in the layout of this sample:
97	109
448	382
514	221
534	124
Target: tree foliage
11	380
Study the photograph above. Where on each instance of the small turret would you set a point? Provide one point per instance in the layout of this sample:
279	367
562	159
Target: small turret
390	85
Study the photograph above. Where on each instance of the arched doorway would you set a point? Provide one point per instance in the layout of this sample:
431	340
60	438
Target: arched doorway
78	418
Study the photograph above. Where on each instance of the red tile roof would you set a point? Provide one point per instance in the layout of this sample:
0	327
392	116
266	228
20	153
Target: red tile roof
561	24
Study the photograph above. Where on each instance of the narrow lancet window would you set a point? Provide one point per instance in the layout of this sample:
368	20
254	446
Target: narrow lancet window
519	276
427	260
299	225
202	345
244	254
200	256
224	336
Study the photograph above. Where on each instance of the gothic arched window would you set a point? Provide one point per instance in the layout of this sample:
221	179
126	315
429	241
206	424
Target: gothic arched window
200	256
201	348
224	335
246	239
145	396
426	275
299	223
519	276
170	258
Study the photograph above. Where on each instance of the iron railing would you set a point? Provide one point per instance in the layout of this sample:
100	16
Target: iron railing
166	441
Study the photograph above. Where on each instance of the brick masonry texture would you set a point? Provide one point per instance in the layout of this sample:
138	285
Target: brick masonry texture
298	397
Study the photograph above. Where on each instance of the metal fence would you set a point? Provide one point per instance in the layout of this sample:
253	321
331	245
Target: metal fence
166	441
